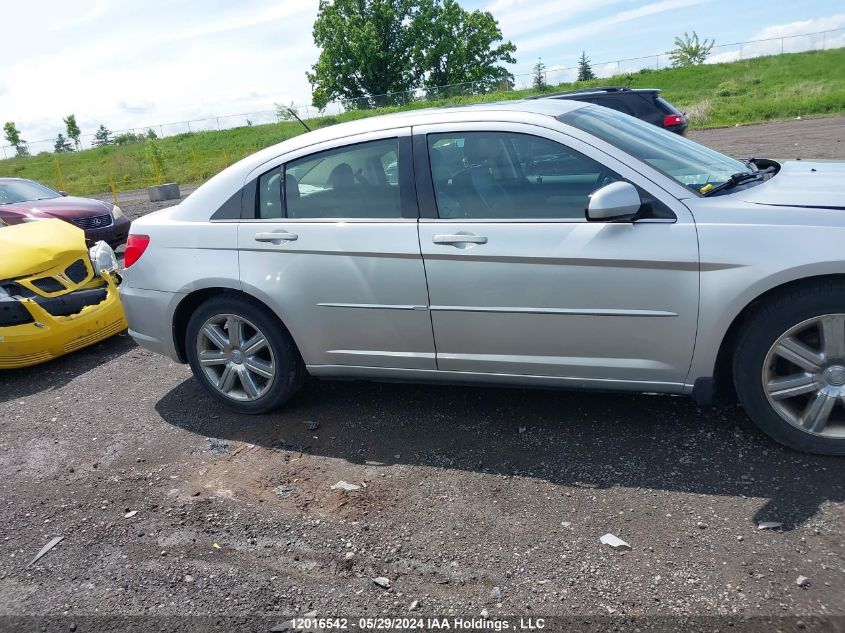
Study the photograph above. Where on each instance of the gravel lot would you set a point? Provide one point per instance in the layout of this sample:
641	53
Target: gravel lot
171	505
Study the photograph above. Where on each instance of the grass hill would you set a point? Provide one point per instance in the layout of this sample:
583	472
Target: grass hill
713	95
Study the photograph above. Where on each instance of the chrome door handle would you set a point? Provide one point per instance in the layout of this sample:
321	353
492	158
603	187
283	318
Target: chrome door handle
276	236
459	239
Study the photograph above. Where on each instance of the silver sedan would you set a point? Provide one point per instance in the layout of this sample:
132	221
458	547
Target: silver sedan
543	242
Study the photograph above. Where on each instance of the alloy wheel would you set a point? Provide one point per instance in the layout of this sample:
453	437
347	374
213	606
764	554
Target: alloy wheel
804	375
235	357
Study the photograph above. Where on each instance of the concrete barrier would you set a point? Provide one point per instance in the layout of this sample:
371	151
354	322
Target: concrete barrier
168	191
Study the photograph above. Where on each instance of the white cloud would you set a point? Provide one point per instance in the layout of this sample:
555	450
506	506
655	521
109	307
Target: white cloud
793	37
517	17
127	66
802	26
553	37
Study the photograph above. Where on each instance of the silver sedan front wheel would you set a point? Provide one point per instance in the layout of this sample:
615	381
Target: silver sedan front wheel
235	357
804	376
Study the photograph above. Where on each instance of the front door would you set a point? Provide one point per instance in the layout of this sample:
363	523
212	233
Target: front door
521	284
334	250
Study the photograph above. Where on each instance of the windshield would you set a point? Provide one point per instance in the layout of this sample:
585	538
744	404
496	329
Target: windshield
12	191
687	162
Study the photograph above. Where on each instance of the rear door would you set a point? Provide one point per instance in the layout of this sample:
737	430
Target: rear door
333	248
521	284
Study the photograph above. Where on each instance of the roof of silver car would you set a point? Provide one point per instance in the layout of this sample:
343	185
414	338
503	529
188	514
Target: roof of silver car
547	107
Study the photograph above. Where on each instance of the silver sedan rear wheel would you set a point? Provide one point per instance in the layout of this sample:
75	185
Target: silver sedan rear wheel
804	376
235	357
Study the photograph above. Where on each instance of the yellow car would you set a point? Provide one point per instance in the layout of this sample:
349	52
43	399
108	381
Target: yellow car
56	295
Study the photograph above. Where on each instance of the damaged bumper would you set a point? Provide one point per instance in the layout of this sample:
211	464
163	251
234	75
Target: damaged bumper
37	326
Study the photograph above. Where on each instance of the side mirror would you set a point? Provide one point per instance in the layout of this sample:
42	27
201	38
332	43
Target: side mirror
63	194
616	202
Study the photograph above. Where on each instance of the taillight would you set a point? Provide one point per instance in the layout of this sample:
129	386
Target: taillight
674	119
135	247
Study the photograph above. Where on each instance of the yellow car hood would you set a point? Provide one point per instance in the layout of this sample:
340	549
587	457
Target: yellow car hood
27	249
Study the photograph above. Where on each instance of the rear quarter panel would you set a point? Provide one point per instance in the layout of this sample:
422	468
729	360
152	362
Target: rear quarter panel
183	256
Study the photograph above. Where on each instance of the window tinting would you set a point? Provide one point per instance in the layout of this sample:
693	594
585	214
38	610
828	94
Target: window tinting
508	175
358	181
614	104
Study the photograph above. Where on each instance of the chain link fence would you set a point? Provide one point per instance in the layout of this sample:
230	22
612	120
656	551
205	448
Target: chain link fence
553	75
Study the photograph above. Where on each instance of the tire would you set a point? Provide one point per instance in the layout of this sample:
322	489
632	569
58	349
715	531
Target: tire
246	375
789	368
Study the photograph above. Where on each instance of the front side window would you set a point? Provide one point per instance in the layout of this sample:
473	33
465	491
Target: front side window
510	175
358	181
687	162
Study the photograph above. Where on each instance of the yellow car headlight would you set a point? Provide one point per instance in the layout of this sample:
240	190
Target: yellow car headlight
103	258
116	212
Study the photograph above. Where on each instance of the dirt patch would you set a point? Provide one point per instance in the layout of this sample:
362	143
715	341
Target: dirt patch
805	138
462	490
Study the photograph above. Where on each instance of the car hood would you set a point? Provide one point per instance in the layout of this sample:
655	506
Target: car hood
66	207
37	246
801	184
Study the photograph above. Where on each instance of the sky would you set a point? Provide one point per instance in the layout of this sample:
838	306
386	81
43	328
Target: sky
152	62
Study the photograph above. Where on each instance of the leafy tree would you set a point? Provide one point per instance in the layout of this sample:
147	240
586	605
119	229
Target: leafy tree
102	136
585	71
371	48
689	51
13	136
62	144
127	138
539	75
453	46
151	135
156	159
72	128
364	49
283	112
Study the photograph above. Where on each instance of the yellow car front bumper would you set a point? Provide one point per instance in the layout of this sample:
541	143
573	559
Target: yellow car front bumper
49	336
51	300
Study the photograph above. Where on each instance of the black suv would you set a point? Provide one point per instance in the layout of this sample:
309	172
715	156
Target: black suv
643	103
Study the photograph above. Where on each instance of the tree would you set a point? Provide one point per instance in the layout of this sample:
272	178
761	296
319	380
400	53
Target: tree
285	112
585	71
539	75
459	49
125	138
62	144
364	49
102	136
689	51
72	128
372	48
13	136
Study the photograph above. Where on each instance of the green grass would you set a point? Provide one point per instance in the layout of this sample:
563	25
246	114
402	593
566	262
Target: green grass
717	95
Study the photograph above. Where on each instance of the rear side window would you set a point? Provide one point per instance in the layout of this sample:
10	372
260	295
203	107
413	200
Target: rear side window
665	106
358	181
614	104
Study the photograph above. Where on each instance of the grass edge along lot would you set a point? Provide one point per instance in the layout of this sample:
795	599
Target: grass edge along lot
712	95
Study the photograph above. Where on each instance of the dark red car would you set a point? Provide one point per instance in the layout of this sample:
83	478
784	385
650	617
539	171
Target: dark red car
24	200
